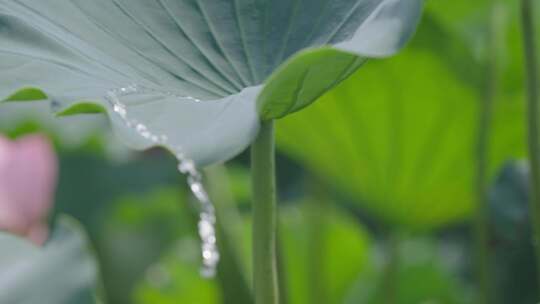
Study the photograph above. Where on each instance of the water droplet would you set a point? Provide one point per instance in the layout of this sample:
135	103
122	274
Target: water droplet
206	229
208	272
206	225
187	167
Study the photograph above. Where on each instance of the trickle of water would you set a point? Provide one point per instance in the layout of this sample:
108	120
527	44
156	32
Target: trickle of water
207	216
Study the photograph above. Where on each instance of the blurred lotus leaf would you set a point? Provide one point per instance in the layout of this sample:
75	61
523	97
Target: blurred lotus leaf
400	139
323	252
423	274
148	224
511	233
176	279
64	271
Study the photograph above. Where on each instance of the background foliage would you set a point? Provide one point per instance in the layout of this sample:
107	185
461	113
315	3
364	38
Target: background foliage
376	184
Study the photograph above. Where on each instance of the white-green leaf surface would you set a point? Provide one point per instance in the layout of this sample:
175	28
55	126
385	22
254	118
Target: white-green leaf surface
218	51
62	272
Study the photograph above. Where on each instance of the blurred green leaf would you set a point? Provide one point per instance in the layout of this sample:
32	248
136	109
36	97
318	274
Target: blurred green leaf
176	279
239	180
323	251
512	252
400	138
421	277
465	18
62	272
138	229
508	205
470	21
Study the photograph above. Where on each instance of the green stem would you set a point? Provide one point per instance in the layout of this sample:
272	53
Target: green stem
389	293
283	284
481	224
231	272
316	214
531	66
265	280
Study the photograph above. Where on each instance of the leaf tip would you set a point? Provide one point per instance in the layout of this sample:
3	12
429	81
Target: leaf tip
82	108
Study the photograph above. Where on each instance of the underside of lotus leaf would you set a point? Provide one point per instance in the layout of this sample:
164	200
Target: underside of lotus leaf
235	62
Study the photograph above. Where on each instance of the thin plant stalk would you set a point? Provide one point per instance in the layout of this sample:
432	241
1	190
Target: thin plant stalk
531	67
389	293
231	272
317	225
481	223
265	277
283	282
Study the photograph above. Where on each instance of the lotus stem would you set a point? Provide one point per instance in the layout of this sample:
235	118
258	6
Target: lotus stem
390	284
531	68
265	277
481	222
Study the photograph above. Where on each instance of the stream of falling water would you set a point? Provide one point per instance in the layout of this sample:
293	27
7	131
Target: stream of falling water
207	215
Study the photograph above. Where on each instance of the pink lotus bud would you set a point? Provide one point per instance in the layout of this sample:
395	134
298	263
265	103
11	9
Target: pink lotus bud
28	175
